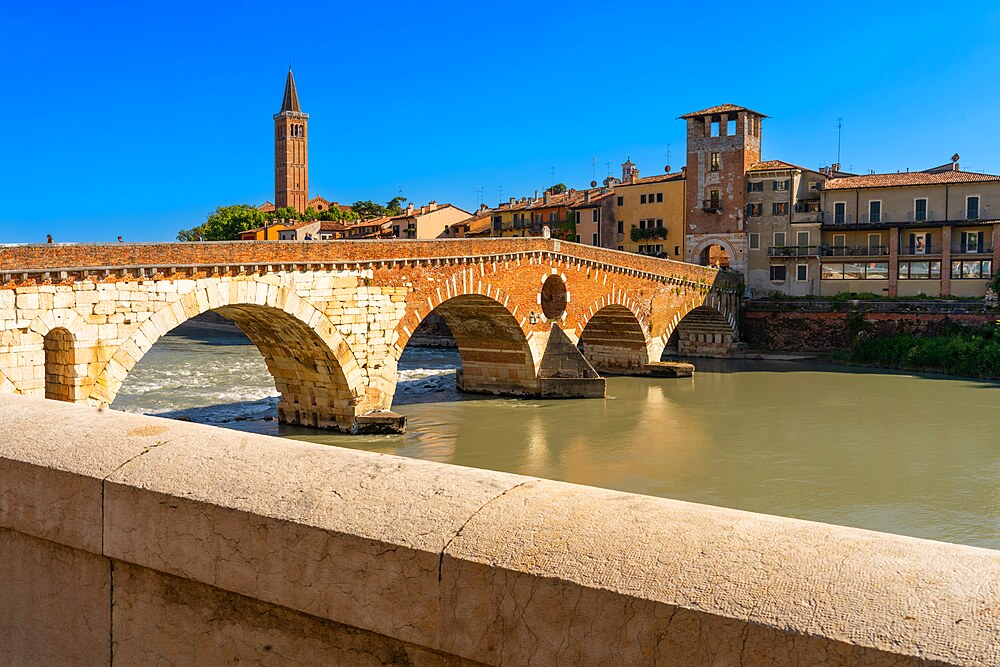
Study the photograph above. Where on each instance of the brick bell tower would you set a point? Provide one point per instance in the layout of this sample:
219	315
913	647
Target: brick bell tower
291	151
722	143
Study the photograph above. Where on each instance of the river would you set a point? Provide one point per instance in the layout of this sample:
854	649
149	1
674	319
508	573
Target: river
894	452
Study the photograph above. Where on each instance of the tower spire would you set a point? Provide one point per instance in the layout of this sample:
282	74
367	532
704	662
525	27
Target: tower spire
291	100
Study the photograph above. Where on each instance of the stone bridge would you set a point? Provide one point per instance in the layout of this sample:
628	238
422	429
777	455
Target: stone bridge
534	317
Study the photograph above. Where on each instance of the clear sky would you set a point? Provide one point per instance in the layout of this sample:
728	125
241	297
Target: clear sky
140	118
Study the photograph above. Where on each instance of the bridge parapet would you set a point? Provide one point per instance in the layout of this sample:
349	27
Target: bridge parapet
128	539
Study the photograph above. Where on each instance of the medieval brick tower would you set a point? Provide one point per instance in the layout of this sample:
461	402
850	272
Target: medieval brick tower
291	151
722	143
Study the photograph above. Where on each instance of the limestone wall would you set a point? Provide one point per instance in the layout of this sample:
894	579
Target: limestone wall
149	541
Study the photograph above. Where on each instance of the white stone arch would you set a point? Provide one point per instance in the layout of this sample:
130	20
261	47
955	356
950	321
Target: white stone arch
713	240
234	297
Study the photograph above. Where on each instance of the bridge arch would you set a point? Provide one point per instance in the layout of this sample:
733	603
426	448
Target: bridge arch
495	346
614	340
314	368
706	329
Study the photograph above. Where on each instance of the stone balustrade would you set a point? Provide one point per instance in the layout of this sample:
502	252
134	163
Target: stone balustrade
138	540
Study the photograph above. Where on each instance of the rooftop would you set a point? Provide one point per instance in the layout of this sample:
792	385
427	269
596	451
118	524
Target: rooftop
909	178
659	178
722	108
773	165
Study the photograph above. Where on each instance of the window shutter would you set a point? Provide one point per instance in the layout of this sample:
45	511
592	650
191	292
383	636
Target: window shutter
979	244
774	185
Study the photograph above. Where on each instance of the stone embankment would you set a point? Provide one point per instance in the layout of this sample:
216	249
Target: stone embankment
134	540
826	326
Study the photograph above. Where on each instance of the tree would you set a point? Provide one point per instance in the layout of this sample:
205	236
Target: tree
368	209
558	188
286	213
225	224
394	206
337	214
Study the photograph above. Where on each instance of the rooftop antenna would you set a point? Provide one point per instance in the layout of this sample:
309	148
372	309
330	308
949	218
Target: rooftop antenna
552	176
501	194
479	196
840	128
593	168
667	169
609	167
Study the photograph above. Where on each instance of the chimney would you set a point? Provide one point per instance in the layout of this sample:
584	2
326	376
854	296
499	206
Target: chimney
634	176
423	209
586	197
409	209
432	206
835	166
545	196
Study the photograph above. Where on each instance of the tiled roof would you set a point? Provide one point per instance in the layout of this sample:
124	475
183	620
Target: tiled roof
907	178
594	201
773	165
659	178
722	108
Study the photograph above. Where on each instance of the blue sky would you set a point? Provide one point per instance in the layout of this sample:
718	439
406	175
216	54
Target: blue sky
139	118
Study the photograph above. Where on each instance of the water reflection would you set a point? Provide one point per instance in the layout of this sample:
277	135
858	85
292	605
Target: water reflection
911	454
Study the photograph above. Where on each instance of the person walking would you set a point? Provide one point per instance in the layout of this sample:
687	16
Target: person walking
48	238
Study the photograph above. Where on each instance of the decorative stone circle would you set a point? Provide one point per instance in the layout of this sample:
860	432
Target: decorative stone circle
553	297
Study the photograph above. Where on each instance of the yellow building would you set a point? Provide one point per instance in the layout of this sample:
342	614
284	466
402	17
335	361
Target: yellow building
268	232
527	216
650	213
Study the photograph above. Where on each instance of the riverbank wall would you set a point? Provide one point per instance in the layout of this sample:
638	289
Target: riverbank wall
828	326
129	539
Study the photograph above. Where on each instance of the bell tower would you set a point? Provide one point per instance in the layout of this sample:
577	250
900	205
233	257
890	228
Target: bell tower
722	143
291	151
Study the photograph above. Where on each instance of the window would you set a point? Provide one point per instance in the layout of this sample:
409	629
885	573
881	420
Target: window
754	241
714	162
972	208
577	238
621	201
621	226
971	269
779	239
731	127
715	128
801	272
874	244
593	240
621	247
779	208
920	244
780	186
659	223
552	216
595	216
813	185
778	273
659	197
755	186
920	270
839	240
875	211
715	198
919	209
802	239
877	271
972	242
755	210
839	212
642	199
642	224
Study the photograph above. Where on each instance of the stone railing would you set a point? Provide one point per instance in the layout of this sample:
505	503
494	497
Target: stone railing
174	543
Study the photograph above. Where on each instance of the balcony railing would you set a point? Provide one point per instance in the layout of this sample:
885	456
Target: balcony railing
711	205
854	250
793	251
965	250
910	217
807	207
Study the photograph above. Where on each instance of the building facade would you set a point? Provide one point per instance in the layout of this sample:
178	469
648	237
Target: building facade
650	213
291	151
783	220
909	234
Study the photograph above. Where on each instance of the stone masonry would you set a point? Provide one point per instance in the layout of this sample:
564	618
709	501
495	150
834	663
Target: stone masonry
332	319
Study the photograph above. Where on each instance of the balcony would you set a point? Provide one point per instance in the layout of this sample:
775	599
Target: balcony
854	251
711	205
807	211
964	250
794	251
